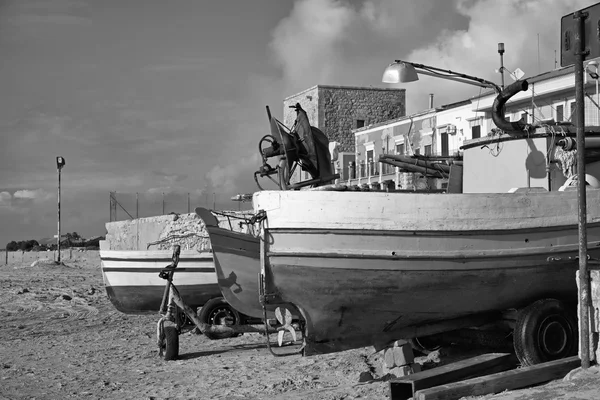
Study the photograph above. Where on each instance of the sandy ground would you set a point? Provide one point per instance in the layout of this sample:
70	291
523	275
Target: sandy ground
61	338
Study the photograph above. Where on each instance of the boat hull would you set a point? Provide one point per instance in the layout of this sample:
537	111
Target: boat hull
134	287
358	283
237	263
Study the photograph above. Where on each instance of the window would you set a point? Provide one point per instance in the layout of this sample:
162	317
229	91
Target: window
560	113
360	123
573	116
475	128
427	150
444	144
400	148
417	151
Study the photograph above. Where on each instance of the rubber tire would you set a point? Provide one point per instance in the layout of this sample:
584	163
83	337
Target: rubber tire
206	315
171	350
424	345
540	323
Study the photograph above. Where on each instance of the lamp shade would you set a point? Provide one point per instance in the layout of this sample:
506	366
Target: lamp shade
400	72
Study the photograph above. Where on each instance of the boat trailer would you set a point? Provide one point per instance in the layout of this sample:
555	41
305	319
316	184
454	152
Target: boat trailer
173	309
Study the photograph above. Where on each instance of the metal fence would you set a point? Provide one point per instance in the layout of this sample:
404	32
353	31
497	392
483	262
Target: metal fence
125	206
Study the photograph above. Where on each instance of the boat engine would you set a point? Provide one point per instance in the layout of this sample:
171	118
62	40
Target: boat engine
303	145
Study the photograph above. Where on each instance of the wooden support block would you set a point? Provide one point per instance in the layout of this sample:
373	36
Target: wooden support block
403	355
507	380
415	368
405	388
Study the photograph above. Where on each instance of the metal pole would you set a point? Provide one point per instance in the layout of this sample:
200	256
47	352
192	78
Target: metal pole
137	203
584	280
188	203
214	201
501	52
58	234
597	100
163	203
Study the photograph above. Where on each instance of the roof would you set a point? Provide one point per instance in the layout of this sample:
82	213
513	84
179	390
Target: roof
370	88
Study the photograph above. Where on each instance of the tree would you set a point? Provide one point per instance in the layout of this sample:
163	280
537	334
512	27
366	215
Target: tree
12	246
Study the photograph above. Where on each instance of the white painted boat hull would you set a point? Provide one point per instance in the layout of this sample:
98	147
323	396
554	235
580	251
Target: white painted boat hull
366	268
134	287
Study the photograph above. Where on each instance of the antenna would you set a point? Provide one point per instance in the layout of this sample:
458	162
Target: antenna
539	67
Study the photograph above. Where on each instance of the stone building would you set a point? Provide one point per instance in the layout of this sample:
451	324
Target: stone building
337	110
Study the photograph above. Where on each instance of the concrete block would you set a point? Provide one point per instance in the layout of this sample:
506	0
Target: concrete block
594	314
403	355
388	357
399	372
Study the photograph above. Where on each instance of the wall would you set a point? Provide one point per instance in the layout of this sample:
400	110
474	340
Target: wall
336	109
458	117
164	231
493	169
67	255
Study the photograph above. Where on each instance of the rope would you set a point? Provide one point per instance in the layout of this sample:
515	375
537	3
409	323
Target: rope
175	237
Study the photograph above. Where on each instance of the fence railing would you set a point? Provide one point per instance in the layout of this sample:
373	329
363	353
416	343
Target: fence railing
125	206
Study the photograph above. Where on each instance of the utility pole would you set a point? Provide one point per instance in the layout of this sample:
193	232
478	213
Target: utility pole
60	163
584	277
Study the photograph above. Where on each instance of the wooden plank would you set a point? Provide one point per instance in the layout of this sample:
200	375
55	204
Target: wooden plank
508	380
405	387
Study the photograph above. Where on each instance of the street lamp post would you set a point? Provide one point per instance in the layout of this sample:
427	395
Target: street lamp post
404	71
60	163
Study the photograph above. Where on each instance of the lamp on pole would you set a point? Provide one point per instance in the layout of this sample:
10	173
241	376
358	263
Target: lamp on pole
60	163
501	52
404	71
595	76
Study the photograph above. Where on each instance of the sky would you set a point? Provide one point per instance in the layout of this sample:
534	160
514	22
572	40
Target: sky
153	97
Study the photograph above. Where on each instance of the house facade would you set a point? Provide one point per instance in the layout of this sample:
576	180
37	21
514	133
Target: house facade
442	131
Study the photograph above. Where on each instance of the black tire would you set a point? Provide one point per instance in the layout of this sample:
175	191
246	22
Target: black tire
546	330
425	344
171	349
218	312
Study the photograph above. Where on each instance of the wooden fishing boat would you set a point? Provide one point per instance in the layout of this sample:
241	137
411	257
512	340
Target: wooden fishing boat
134	287
407	265
237	262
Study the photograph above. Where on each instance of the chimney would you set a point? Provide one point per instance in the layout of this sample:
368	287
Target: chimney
430	100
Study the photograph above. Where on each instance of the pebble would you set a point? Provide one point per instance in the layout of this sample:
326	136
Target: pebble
365	377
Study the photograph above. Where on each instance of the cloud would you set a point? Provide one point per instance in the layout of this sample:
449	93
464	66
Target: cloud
474	50
233	178
348	43
37	195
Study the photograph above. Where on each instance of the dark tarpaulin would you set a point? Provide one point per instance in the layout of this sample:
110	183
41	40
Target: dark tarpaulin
317	159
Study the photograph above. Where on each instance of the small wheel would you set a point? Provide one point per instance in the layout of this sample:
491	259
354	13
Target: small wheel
171	343
546	330
218	312
424	344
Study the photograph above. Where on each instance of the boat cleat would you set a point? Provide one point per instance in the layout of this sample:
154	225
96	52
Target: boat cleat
285	319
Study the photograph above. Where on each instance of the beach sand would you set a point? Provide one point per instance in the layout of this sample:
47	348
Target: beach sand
60	337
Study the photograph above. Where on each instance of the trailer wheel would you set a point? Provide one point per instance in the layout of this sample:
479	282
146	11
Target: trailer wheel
171	343
218	312
425	344
545	330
